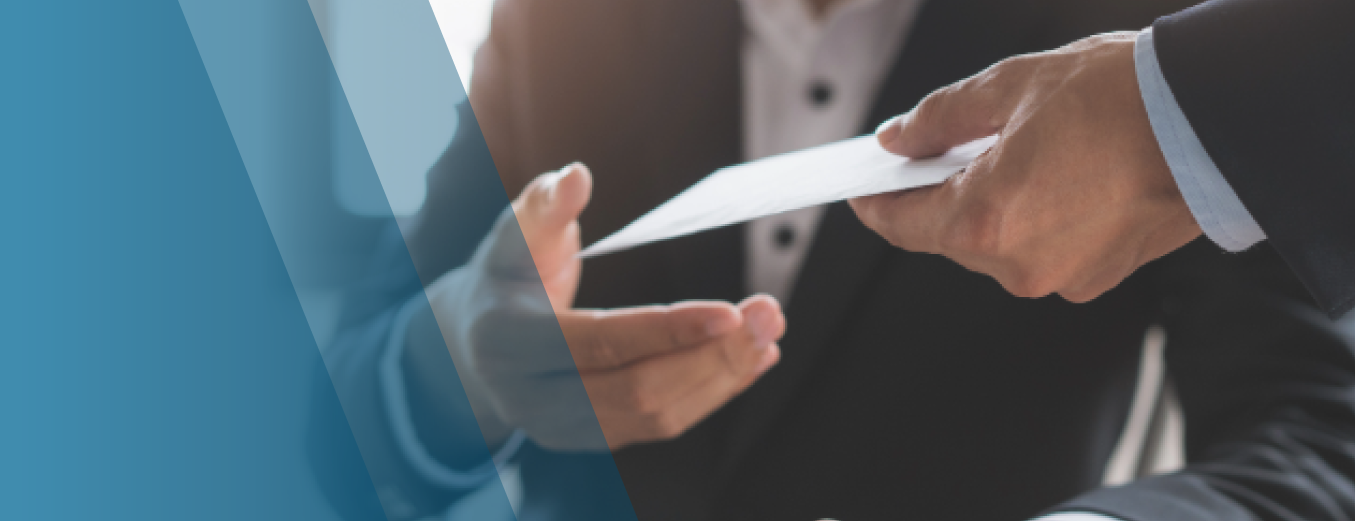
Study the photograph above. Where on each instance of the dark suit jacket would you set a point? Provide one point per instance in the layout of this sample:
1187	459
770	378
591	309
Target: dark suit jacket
909	388
1267	85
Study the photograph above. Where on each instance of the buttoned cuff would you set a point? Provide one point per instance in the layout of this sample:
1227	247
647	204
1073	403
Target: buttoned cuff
391	381
1212	201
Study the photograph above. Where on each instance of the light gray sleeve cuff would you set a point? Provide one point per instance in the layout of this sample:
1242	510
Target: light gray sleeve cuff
391	380
1076	516
1212	201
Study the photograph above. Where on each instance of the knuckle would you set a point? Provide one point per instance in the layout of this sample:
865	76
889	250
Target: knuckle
676	335
1088	292
999	71
870	215
644	401
534	196
1013	66
927	111
979	231
1017	286
602	352
1033	283
735	355
892	240
1078	296
666	426
638	397
995	88
1026	290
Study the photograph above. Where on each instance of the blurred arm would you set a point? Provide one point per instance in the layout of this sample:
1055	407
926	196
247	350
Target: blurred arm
374	310
1267	385
1076	516
416	373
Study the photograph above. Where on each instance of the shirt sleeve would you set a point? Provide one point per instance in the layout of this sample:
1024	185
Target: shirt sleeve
1211	199
1076	516
391	379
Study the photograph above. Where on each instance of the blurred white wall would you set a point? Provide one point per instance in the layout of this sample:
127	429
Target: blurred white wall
464	23
401	88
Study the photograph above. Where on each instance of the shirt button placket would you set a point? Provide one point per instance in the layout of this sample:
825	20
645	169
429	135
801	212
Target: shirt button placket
783	236
820	93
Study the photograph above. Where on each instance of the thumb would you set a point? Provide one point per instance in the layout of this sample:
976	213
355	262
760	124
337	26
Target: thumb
552	203
569	193
953	115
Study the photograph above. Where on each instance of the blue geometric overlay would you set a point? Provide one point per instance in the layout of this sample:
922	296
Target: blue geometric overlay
192	316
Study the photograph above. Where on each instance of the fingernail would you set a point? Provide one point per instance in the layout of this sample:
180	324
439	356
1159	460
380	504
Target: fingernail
888	130
762	325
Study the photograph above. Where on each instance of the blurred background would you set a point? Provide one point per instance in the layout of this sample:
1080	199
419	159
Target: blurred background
401	159
369	62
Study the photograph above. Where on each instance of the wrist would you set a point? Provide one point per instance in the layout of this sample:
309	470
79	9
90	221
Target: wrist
435	378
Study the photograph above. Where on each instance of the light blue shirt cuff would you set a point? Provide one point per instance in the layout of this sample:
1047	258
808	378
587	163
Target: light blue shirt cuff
1212	201
1076	516
391	381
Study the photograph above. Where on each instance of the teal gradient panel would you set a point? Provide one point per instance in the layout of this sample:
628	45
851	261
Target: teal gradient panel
171	246
154	359
191	315
397	87
297	137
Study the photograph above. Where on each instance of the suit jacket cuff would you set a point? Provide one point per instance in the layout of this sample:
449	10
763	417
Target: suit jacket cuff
1172	497
1076	516
1212	201
391	381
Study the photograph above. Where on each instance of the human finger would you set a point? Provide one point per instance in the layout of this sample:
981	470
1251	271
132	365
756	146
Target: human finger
908	219
970	109
622	428
545	215
552	203
607	339
708	373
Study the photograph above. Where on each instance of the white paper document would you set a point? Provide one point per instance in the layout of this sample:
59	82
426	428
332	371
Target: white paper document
824	174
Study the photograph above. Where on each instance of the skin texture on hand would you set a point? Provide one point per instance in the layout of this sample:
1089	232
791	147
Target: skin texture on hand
651	372
1074	197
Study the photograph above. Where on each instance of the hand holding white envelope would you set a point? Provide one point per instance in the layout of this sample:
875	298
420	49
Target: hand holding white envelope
824	174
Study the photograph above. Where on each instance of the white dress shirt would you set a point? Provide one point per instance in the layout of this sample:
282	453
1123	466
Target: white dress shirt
808	80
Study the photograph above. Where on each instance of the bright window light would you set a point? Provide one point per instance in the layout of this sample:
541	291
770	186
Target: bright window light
465	24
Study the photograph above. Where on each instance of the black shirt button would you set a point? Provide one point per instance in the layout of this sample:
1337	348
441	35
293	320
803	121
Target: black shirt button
784	236
820	93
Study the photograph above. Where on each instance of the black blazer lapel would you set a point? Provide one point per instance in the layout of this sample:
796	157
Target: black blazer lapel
845	257
690	74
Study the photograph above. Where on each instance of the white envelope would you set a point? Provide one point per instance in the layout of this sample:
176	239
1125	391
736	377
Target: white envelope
824	174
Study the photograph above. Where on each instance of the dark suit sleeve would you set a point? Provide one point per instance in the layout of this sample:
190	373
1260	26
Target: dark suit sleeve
465	197
1267	385
1269	87
352	363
